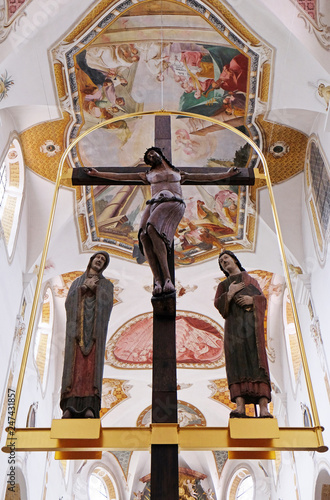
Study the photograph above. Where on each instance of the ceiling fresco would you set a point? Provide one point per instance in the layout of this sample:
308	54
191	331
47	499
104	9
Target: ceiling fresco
199	342
135	59
149	57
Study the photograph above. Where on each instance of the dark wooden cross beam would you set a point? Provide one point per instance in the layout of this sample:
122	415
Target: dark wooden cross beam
164	457
81	178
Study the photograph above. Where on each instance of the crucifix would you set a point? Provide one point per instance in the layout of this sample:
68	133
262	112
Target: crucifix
158	224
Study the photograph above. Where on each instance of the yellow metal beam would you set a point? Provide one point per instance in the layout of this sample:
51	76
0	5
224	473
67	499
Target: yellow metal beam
218	438
188	438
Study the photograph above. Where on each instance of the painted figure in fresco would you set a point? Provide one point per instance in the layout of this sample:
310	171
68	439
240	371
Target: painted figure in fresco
219	84
240	301
104	92
88	307
163	212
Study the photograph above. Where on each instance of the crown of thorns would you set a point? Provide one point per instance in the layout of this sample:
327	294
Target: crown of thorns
160	152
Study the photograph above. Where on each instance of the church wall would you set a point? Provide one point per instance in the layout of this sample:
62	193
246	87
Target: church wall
288	205
317	341
11	296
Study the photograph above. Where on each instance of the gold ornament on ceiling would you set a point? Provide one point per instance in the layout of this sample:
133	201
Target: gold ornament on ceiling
33	140
220	394
5	84
49	148
279	149
292	162
114	392
265	82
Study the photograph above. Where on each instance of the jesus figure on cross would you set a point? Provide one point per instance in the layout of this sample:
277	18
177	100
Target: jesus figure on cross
164	210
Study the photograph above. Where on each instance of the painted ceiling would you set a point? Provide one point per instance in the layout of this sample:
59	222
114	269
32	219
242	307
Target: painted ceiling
147	57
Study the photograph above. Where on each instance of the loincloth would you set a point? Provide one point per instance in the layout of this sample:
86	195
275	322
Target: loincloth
164	214
163	199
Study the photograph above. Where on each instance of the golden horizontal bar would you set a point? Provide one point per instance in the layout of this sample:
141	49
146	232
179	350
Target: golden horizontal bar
188	438
218	438
118	438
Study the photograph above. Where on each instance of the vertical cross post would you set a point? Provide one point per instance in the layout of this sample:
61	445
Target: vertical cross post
164	457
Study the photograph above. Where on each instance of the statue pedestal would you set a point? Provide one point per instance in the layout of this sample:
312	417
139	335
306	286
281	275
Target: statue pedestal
67	430
76	428
264	430
254	428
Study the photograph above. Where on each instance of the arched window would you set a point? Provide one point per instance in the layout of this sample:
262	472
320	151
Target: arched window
317	175
11	193
101	485
16	487
322	485
44	338
245	489
241	486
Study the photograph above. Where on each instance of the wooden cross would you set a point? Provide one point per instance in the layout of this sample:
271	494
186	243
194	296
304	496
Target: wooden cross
164	457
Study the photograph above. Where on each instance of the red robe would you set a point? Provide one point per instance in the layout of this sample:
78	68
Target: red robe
245	350
234	75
